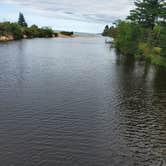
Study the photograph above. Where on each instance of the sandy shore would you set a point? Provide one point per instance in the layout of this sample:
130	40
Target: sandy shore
87	35
6	38
78	35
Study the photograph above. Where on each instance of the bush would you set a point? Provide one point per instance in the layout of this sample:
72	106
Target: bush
35	31
55	34
66	33
159	38
17	31
157	60
157	50
13	29
128	37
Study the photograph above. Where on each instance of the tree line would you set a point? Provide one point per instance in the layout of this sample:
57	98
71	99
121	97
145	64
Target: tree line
20	29
143	33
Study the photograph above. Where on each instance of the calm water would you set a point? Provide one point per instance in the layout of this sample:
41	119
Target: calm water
74	102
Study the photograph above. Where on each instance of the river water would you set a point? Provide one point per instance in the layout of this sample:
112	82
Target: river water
76	102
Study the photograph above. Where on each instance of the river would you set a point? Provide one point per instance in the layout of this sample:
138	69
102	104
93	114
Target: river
76	102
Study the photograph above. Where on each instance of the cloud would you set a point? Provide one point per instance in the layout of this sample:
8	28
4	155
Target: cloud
96	11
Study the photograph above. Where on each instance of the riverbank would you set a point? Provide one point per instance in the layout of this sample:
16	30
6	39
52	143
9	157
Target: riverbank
11	38
143	33
14	31
148	54
59	35
143	43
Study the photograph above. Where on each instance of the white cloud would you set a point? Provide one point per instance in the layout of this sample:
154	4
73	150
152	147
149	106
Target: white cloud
96	11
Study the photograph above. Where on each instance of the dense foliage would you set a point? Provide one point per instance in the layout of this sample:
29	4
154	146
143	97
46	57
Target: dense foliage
148	12
143	34
20	30
35	31
11	29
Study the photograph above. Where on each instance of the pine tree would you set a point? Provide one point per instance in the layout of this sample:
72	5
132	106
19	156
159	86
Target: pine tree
163	13
21	20
148	12
106	30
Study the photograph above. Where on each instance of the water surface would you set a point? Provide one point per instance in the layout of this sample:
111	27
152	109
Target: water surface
75	102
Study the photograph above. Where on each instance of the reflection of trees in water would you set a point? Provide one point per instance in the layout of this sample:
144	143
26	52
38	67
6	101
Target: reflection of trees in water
142	114
159	82
20	63
127	62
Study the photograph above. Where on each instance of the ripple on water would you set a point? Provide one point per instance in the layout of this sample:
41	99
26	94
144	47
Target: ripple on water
71	102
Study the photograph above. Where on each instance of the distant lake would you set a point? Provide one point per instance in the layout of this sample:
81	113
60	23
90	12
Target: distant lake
76	102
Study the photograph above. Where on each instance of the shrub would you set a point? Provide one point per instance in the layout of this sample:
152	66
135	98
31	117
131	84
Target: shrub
128	37
35	31
159	38
13	29
157	50
66	33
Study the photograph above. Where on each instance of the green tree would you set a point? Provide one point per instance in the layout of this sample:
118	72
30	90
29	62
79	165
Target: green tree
158	38
127	38
163	14
148	12
106	30
21	20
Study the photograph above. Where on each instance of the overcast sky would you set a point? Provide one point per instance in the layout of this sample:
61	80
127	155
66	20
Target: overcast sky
72	15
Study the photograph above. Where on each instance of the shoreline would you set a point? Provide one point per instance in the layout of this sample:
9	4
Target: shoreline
153	58
11	38
6	38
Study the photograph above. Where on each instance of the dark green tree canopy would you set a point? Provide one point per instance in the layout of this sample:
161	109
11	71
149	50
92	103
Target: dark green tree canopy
106	30
148	12
21	20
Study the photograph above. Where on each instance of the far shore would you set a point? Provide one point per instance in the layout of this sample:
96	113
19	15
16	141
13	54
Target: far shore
11	38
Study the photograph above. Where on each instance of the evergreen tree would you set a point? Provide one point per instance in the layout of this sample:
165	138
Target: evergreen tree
163	13
21	20
148	12
106	30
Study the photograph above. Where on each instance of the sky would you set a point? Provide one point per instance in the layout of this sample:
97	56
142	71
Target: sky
71	15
